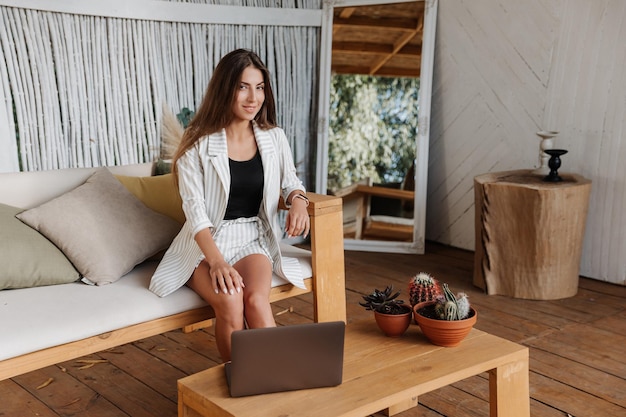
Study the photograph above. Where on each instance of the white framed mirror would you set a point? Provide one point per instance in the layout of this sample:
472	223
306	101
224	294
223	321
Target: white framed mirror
417	243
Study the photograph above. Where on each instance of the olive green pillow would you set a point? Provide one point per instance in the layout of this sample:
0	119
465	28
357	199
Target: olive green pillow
27	258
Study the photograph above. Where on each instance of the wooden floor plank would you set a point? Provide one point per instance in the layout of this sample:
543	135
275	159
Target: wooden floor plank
579	376
177	354
533	311
451	401
132	396
615	323
200	342
586	306
65	395
602	287
570	400
506	325
597	348
146	368
16	401
477	386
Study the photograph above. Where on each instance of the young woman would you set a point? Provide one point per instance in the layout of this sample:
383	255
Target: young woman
232	165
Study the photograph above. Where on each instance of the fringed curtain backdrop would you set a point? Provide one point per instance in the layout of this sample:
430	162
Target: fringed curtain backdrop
83	91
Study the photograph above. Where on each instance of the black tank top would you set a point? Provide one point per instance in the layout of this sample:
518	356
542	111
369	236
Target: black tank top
246	188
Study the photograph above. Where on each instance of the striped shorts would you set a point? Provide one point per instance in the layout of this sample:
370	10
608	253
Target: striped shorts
242	237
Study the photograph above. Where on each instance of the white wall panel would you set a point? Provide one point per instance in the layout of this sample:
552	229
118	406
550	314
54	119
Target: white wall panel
506	69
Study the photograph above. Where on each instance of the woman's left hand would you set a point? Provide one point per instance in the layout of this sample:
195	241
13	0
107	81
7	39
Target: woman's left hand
297	222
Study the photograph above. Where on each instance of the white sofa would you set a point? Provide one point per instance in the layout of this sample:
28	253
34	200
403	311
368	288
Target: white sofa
44	325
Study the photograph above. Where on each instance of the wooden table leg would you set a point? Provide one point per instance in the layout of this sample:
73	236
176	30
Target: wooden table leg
181	405
183	409
403	406
509	394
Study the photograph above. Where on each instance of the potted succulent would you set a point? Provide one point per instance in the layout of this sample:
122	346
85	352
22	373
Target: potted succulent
444	318
391	314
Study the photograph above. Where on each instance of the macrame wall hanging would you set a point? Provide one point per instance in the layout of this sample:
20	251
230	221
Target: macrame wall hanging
80	90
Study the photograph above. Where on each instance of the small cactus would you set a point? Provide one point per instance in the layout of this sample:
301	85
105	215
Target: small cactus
463	305
452	307
423	287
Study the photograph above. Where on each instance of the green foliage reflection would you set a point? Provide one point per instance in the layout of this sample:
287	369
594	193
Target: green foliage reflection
373	126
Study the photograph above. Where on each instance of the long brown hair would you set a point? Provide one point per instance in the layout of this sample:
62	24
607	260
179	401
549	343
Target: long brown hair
215	112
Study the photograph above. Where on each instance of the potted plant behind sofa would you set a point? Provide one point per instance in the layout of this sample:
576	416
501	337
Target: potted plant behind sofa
391	314
444	318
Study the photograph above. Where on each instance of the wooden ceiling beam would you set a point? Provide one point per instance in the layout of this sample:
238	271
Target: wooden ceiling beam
398	45
398	72
382	72
344	14
404	39
382	41
375	48
362	47
369	48
403	24
347	12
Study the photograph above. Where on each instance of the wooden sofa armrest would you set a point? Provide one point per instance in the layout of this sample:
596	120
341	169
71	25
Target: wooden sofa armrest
329	277
327	258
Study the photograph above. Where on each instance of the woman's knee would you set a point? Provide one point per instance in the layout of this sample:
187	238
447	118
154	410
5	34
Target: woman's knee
230	303
227	307
256	301
229	310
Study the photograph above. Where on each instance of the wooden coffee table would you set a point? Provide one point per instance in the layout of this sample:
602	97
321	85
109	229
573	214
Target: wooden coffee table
379	373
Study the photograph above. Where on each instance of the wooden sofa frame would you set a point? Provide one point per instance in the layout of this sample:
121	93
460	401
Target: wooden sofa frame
327	285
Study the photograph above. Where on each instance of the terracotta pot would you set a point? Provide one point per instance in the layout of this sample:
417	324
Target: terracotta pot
393	325
443	332
418	306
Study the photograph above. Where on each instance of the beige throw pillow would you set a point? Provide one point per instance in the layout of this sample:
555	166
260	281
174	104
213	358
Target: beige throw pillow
102	228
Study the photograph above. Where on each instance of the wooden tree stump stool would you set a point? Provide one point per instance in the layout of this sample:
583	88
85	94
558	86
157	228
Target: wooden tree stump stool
529	234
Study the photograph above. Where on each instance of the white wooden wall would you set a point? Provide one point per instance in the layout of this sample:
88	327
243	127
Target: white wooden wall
86	81
505	69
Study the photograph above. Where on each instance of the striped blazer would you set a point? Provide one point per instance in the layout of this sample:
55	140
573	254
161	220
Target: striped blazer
204	184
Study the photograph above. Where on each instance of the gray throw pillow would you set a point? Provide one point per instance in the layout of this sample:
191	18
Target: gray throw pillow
27	258
102	228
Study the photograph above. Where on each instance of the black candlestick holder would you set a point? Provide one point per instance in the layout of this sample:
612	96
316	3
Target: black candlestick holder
554	163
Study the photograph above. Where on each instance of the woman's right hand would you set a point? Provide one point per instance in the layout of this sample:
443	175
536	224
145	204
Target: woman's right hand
225	278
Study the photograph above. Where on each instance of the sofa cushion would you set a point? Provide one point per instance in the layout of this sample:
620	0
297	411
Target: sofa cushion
59	314
159	193
28	259
28	189
102	228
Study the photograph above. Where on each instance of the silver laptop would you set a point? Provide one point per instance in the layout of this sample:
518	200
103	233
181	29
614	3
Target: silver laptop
286	358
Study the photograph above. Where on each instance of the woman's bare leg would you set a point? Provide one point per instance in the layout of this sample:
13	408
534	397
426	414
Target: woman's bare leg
256	271
229	308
